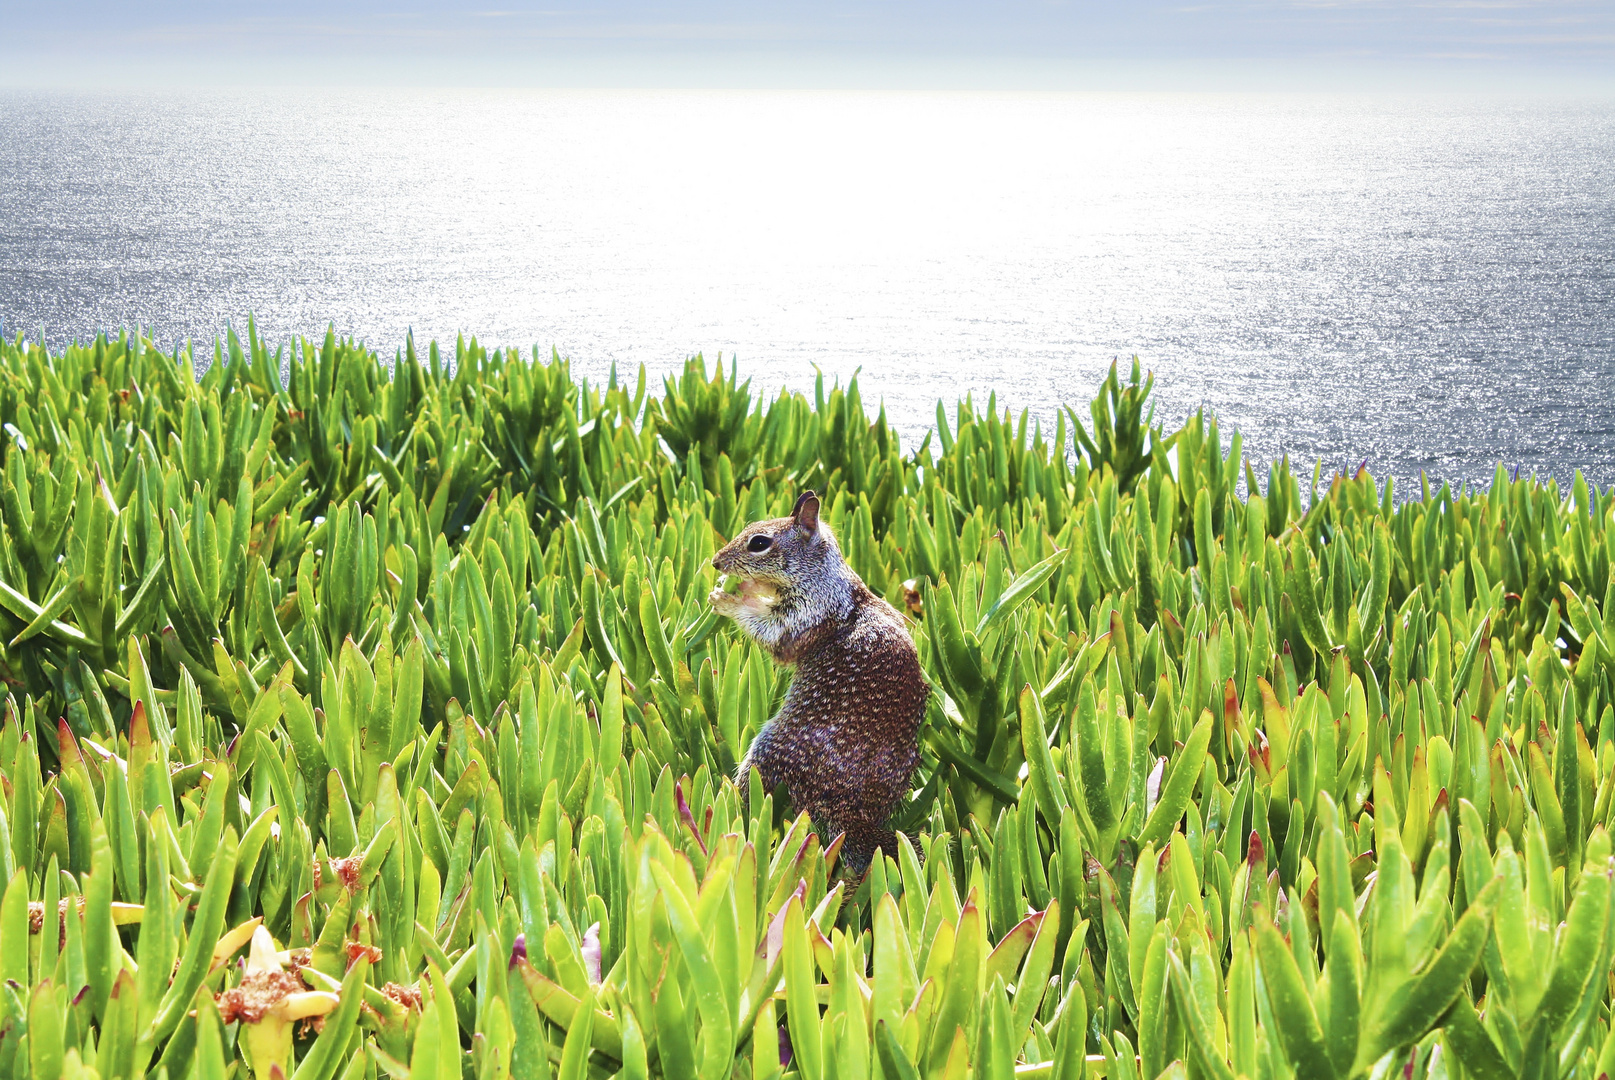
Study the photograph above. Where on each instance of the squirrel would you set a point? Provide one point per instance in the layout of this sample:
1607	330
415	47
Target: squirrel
843	745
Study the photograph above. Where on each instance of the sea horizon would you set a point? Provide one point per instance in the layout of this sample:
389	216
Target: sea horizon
1422	281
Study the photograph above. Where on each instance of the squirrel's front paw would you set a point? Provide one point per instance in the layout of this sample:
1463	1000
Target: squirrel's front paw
724	603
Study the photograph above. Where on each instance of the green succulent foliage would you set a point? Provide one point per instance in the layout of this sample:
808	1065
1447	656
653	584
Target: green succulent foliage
710	415
394	683
1121	430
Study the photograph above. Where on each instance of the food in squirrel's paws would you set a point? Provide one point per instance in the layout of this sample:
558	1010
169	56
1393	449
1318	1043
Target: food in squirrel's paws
754	598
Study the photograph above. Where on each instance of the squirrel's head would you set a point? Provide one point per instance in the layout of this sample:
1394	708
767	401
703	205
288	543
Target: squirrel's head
784	552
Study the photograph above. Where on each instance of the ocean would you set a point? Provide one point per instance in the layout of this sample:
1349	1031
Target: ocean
1426	283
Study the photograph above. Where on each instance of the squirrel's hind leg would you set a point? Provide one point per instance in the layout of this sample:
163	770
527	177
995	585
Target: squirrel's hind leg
863	840
762	757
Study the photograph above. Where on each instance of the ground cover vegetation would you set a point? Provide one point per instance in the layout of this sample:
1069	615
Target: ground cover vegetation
373	724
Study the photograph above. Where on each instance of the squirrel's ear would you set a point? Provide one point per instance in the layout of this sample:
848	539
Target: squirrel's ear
806	514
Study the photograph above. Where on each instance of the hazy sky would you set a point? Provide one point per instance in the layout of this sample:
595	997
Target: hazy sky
1175	44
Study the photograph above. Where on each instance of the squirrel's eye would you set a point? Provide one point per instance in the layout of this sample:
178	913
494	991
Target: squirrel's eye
759	543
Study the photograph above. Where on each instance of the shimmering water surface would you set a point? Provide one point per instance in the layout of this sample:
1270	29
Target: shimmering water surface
1427	283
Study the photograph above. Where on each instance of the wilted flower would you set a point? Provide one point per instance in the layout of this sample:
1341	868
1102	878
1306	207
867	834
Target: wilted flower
268	1002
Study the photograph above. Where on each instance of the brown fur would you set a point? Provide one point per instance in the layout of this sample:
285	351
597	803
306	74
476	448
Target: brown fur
844	742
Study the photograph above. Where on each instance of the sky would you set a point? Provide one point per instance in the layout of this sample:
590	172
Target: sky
1022	44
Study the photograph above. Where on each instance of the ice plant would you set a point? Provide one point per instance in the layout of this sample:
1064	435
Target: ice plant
407	666
269	1001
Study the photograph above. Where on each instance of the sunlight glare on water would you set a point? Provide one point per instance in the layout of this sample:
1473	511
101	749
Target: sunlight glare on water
1427	283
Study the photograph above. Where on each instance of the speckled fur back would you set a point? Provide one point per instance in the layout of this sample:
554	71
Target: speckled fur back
844	742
